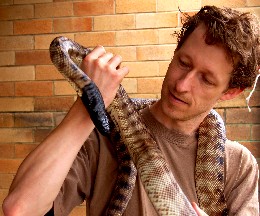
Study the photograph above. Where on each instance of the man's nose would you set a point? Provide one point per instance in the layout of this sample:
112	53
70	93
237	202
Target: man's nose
185	82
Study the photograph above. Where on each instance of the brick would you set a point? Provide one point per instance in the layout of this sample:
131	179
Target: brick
166	36
130	85
92	39
16	135
255	98
257	87
9	165
94	7
72	24
30	1
253	147
149	85
221	112
61	9
41	134
58	117
163	67
255	132
17	73
157	20
22	150
8	43
142	69
32	27
36	88
6	150
131	6
238	132
241	115
255	10
3	194
184	15
15	12
34	119
114	22
251	3
6	120
16	104
156	52
137	37
223	3
128	53
7	58
6	28
238	101
34	57
63	88
6	89
53	103
47	72
6	2
167	5
6	180
189	5
44	41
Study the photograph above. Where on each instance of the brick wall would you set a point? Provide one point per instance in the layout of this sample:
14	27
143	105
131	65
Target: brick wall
33	95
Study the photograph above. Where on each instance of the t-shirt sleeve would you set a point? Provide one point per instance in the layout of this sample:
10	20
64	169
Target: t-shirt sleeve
242	198
77	185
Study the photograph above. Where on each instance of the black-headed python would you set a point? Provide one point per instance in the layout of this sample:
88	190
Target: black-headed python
136	149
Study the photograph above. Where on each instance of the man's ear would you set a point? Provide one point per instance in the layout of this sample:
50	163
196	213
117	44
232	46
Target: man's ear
231	93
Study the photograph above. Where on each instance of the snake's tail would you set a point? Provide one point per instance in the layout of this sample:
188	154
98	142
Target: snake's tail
125	182
93	102
127	171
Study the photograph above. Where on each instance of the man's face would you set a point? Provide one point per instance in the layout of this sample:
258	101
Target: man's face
196	79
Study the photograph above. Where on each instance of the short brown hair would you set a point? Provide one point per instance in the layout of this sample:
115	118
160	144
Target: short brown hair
237	32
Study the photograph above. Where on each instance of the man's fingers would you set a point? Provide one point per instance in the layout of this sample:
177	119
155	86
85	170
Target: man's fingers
198	210
124	71
97	52
105	58
115	61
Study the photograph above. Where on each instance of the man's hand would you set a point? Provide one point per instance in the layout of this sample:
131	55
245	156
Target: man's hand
104	70
198	210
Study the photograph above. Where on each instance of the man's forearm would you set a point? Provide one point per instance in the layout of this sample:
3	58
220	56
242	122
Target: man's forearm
42	173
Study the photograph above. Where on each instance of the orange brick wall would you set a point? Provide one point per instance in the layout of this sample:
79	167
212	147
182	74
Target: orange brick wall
33	95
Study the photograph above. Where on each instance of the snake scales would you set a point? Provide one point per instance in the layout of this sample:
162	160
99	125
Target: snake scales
136	149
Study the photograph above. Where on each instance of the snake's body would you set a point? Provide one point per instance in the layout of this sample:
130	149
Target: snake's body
136	149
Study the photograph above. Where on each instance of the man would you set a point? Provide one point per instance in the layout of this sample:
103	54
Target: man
216	58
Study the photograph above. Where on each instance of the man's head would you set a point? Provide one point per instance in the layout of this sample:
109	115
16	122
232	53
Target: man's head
237	32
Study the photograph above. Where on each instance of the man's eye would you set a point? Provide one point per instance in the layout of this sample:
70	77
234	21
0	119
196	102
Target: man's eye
207	81
183	63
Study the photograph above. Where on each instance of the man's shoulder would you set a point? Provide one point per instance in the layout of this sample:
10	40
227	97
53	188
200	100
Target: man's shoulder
237	151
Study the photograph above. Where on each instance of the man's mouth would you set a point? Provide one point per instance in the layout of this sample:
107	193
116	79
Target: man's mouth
178	99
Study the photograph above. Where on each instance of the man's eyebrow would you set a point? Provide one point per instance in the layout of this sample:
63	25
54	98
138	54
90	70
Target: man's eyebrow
185	55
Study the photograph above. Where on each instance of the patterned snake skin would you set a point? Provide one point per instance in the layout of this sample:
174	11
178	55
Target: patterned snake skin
136	149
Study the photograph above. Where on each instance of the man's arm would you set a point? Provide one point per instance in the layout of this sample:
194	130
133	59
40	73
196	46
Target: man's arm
42	173
242	181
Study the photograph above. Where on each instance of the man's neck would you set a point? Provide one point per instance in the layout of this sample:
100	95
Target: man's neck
187	127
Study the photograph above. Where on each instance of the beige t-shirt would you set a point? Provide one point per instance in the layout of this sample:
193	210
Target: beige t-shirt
93	174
